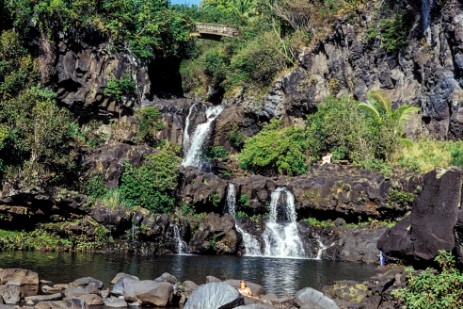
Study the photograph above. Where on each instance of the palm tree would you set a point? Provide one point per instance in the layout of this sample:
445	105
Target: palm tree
379	107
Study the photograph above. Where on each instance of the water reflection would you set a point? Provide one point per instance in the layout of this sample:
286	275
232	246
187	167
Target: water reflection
279	276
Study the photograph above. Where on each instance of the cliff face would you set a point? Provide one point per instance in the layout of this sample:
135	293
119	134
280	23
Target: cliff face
426	72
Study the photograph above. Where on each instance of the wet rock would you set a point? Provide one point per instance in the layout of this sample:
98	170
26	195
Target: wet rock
149	292
189	285
31	300
21	276
222	232
91	300
430	227
210	279
10	294
115	302
122	275
214	295
314	299
166	277
61	304
86	281
121	284
347	293
71	293
257	289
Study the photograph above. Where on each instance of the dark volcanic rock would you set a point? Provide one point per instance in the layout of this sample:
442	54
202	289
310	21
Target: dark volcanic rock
431	225
108	161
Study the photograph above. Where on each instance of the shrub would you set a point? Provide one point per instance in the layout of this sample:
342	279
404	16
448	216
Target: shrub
95	186
275	150
149	123
152	185
430	289
257	62
119	88
217	152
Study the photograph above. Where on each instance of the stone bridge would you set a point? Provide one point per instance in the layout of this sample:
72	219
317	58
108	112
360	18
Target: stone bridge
214	31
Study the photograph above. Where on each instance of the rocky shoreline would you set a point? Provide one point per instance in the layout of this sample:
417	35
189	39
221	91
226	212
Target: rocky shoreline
21	288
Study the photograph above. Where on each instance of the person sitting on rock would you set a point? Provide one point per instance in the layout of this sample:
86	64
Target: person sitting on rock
326	159
244	289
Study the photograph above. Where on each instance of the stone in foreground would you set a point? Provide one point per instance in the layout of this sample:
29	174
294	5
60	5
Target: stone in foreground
214	295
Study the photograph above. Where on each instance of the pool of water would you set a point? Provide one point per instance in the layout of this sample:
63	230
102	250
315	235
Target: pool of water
279	276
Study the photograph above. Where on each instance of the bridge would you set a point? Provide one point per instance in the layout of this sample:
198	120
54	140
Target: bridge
214	31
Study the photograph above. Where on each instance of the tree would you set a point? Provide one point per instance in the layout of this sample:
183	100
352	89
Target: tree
379	108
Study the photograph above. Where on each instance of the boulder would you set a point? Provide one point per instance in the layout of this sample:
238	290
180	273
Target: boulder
31	300
91	299
210	279
115	302
120	286
60	304
314	299
86	281
123	275
23	276
189	285
75	292
149	293
217	295
431	224
255	306
166	277
257	289
11	294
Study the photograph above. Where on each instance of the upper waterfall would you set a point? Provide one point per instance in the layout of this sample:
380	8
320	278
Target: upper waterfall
194	155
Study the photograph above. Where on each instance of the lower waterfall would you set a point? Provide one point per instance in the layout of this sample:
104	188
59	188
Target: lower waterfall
281	236
182	247
251	244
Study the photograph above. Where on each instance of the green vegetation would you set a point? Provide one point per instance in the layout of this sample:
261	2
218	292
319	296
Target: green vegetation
396	196
217	152
148	28
149	123
432	289
35	240
276	150
152	185
119	88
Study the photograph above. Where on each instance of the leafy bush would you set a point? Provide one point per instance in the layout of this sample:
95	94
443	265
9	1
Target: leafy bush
236	138
399	197
430	289
457	157
150	122
95	186
217	152
276	150
152	185
119	88
258	62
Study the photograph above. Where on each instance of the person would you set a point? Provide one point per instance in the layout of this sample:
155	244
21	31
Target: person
326	159
244	289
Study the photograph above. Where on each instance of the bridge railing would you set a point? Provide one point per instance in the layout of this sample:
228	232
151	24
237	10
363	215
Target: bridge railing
216	29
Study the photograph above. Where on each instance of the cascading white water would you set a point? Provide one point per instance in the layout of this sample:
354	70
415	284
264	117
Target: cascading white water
282	239
426	6
182	247
251	244
321	248
186	134
194	155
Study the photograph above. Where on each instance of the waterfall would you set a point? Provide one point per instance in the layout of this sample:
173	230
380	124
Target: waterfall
282	238
186	134
194	155
182	247
426	6
251	244
321	248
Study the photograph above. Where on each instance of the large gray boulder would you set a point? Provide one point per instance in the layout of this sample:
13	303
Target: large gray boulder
214	295
11	294
122	275
19	275
312	298
119	287
432	223
149	293
86	281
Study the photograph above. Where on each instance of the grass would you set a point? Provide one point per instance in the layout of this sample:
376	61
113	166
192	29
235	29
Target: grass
425	155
